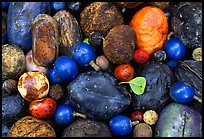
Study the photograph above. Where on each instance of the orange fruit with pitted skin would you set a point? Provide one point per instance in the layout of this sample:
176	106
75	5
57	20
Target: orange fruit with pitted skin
151	28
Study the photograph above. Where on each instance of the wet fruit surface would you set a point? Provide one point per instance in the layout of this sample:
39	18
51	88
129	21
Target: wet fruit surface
43	108
124	72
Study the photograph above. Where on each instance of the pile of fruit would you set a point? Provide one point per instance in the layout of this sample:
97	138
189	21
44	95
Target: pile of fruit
101	69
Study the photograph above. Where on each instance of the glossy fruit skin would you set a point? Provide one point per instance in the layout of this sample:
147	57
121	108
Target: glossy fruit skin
57	6
181	92
64	115
137	116
74	7
43	108
140	56
124	72
175	49
120	125
53	77
66	68
83	53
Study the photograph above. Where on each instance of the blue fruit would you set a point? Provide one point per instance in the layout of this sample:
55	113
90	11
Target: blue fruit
83	53
53	78
181	92
64	115
120	125
19	22
175	49
66	68
4	33
57	6
172	64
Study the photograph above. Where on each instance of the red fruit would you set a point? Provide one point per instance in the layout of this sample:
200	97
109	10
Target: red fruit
43	108
124	72
137	116
140	56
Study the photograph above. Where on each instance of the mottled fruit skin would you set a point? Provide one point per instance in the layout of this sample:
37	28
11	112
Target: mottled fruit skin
161	5
31	66
96	39
101	17
29	126
120	125
64	115
150	117
20	16
33	85
66	68
75	7
45	40
175	49
43	108
13	61
9	86
53	77
70	31
83	53
56	92
124	72
178	120
159	55
119	44
182	92
87	128
142	130
140	56
128	4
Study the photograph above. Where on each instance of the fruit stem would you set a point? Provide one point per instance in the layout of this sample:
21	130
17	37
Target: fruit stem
135	123
197	98
169	35
79	115
94	65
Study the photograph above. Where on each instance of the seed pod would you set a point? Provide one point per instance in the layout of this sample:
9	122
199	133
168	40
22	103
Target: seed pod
33	85
102	62
197	54
101	17
142	130
150	117
119	44
70	32
45	45
13	61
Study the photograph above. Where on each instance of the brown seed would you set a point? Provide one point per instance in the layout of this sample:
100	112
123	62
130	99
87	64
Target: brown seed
10	86
56	92
142	130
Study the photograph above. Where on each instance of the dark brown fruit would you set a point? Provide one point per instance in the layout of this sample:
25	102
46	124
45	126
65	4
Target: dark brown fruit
56	92
101	17
87	128
70	32
142	130
10	86
160	5
128	4
119	44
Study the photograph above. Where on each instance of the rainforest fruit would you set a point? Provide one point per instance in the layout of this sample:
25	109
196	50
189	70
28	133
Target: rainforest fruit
66	68
119	44
151	27
124	72
101	17
182	92
42	108
175	49
120	125
33	85
140	56
142	130
45	40
53	77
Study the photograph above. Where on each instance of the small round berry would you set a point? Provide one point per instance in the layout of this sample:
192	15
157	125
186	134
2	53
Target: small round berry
141	56
150	117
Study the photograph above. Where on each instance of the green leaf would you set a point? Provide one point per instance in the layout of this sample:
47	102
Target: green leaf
137	85
86	40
